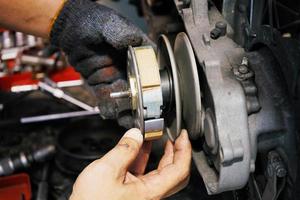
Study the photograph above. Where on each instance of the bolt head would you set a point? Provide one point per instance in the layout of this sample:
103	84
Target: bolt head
243	69
221	25
215	33
281	172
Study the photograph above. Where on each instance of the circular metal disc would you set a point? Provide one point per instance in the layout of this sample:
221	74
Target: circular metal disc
189	85
133	72
166	59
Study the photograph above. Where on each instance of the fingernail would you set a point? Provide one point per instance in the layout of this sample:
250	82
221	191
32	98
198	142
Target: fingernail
184	133
134	134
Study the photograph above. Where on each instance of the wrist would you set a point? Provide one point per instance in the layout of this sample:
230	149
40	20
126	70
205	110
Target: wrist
69	14
60	5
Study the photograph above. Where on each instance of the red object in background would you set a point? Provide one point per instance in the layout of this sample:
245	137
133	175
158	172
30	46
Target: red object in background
26	78
16	187
66	74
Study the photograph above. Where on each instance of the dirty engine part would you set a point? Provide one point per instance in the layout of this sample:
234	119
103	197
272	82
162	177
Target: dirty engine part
210	84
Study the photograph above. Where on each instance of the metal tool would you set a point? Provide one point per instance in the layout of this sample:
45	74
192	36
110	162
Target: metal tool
42	118
62	95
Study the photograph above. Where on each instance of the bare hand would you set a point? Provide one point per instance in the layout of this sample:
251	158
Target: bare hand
109	177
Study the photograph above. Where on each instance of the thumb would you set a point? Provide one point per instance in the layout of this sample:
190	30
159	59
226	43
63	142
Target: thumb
125	152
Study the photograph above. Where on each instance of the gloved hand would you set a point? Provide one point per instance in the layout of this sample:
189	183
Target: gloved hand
110	177
95	39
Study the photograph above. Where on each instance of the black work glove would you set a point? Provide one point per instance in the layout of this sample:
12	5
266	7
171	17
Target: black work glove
95	39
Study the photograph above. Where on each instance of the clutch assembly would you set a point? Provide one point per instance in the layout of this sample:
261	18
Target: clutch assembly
156	92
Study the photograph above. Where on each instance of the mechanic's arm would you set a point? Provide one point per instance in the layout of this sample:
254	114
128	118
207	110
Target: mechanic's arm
110	177
31	16
94	37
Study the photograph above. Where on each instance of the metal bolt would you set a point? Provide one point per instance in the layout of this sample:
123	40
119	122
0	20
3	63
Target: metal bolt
243	69
281	172
215	34
222	26
275	165
122	94
219	30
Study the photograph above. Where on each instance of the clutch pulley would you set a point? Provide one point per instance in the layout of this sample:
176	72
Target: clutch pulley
164	91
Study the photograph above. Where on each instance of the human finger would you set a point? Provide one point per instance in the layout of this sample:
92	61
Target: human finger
124	153
168	156
170	178
139	165
105	75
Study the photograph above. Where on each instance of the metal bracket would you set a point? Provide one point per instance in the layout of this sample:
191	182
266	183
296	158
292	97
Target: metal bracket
224	97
